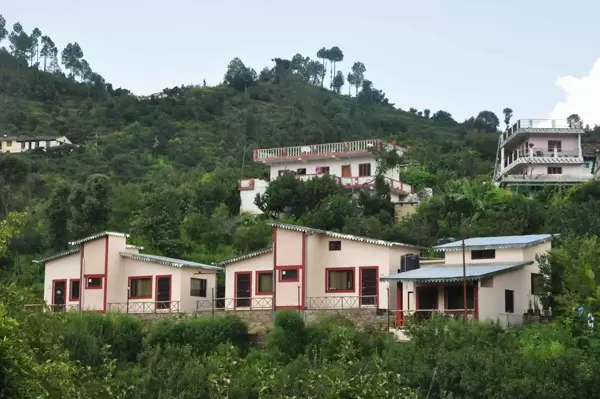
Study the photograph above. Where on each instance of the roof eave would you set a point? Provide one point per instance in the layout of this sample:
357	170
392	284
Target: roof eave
454	279
509	246
240	258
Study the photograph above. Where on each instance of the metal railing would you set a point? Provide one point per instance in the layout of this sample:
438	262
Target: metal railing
539	124
415	316
145	307
219	304
546	178
341	302
300	151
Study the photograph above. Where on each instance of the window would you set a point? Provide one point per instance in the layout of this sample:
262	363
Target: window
487	282
554	170
93	282
22	145
483	254
325	169
74	290
509	301
264	283
335	245
536	284
288	275
554	143
454	298
587	165
340	280
9	144
198	287
364	169
301	171
281	172
140	287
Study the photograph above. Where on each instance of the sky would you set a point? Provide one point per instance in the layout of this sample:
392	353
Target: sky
539	57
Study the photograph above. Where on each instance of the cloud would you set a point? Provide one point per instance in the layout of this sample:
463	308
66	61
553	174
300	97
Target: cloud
582	96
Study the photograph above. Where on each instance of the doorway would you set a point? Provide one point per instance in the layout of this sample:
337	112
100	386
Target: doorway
163	292
58	294
346	171
242	290
427	299
368	286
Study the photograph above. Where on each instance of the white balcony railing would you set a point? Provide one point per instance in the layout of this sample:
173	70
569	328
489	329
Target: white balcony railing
546	178
537	156
547	125
316	150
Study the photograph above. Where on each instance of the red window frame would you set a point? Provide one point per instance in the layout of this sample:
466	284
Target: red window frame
130	278
54	289
340	269
89	276
285	268
257	279
71	281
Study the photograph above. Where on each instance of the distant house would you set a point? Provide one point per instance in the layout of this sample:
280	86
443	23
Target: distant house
314	269
103	273
16	144
502	276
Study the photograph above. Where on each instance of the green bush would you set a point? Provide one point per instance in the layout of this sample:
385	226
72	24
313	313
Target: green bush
202	334
86	334
288	337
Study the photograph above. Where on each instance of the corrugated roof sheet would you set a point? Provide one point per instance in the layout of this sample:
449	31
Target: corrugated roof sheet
99	235
340	235
450	273
58	255
163	260
497	242
245	256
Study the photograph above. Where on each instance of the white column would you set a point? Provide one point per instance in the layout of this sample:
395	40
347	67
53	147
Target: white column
555	152
579	145
502	159
530	152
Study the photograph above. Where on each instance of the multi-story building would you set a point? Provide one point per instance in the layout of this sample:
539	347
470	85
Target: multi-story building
352	163
15	144
535	152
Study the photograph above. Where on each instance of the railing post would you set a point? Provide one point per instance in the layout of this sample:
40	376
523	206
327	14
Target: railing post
213	302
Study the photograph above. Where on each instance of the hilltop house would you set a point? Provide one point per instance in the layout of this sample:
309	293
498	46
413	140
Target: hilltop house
102	273
314	269
353	164
535	152
16	144
501	272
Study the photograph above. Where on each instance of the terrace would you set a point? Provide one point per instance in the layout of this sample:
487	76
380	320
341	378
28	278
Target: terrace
541	126
541	156
317	151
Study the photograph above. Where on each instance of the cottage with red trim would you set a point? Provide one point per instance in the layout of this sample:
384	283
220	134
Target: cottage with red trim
314	269
502	273
116	276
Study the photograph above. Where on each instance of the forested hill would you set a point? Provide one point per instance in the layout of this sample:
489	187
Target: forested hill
165	167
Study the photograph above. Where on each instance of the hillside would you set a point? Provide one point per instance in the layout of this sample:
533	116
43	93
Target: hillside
165	168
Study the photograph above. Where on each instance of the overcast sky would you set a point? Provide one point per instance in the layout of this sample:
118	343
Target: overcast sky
536	56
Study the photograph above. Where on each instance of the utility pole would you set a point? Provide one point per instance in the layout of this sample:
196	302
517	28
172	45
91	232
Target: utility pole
462	233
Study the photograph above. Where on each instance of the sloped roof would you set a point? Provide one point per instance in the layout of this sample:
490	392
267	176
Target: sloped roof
99	235
245	256
502	242
340	235
163	260
58	255
452	273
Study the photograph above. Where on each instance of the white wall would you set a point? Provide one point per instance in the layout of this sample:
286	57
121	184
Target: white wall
335	165
248	196
502	255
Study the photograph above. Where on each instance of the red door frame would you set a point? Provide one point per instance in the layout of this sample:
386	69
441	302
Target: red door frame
170	302
360	275
235	276
399	310
54	290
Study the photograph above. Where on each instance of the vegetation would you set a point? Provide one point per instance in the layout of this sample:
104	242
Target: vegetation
165	168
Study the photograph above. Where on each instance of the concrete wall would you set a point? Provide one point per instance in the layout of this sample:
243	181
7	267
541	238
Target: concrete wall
502	255
335	165
260	263
248	194
65	268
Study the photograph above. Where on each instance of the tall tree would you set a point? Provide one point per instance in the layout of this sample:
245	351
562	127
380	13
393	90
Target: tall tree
351	82
323	54
508	114
58	214
358	72
20	42
71	58
239	76
490	120
48	50
335	55
426	113
338	82
3	31
574	120
34	46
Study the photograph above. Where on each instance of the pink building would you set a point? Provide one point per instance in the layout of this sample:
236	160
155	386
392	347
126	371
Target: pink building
103	273
314	269
502	274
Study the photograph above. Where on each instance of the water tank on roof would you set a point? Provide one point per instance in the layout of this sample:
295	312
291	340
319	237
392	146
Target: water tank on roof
409	262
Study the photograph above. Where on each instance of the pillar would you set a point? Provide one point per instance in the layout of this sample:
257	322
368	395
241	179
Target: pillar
502	159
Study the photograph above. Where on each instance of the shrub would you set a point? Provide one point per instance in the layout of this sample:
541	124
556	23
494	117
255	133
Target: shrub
288	338
202	334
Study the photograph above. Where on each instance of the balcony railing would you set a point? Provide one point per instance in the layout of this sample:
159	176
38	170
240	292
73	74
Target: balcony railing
540	156
546	125
545	178
316	150
145	307
415	316
341	302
